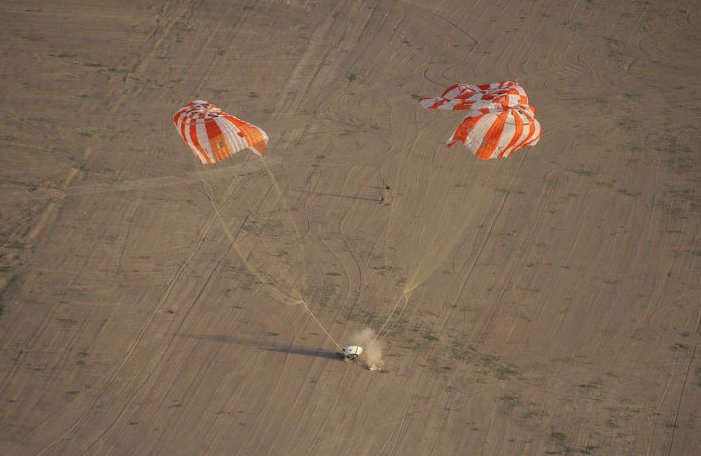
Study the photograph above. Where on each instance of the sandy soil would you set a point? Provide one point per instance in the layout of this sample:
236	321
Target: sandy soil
553	298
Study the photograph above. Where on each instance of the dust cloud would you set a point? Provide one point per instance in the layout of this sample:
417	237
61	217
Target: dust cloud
372	348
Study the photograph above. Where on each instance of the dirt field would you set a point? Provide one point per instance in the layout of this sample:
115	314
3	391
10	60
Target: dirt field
554	298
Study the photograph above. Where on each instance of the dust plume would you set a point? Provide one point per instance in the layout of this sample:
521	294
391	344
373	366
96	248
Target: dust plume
372	348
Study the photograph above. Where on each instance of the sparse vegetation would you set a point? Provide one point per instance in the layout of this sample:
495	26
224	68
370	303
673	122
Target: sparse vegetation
504	372
560	441
558	437
490	364
589	385
623	191
361	316
15	245
583	172
63	55
182	26
512	400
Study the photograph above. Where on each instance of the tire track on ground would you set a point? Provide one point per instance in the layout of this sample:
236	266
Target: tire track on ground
159	362
53	207
164	297
683	387
140	335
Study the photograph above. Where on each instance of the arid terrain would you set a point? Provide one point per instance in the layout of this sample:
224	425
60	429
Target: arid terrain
548	303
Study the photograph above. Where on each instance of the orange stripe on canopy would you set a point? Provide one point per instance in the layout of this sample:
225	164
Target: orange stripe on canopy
461	133
533	127
254	137
196	142
517	135
213	135
492	137
217	141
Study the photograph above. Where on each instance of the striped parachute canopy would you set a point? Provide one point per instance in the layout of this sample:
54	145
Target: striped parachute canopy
498	122
460	97
214	135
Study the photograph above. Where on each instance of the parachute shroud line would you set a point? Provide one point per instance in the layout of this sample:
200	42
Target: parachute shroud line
214	136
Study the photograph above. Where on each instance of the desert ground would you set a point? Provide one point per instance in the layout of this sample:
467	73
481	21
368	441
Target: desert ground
548	303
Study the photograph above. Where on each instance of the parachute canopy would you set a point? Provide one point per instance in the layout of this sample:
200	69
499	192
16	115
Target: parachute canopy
499	120
460	97
214	135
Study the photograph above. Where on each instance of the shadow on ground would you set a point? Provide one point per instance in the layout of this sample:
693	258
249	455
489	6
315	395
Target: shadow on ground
264	346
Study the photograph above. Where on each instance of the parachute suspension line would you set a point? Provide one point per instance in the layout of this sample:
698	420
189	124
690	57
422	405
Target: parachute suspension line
274	291
399	315
404	295
421	272
288	214
311	314
282	197
232	238
219	140
409	288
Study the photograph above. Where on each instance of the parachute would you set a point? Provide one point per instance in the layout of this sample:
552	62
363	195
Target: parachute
499	120
214	135
460	97
267	232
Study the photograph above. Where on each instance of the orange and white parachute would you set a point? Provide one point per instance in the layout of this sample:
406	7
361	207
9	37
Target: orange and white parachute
460	97
214	135
499	120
